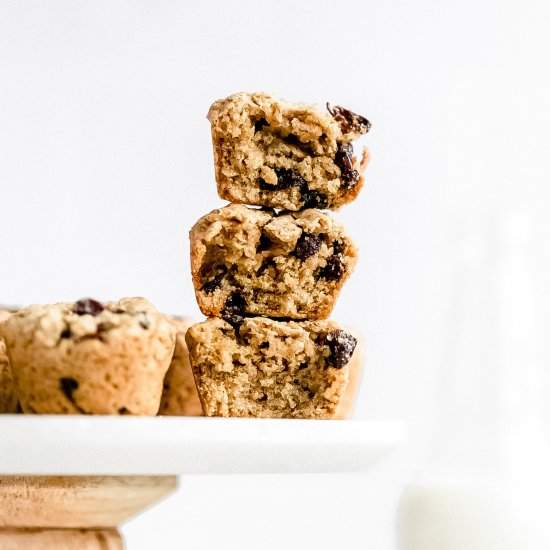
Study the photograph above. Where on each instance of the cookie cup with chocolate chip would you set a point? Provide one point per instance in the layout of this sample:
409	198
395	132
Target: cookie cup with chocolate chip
263	368
89	358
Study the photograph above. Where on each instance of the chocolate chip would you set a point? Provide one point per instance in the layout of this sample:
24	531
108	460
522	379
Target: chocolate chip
338	247
213	284
313	199
233	310
259	124
286	179
123	411
68	386
348	120
66	333
343	159
234	320
308	244
341	345
334	269
264	345
303	366
235	303
87	306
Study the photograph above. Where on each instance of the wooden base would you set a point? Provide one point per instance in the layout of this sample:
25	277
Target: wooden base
73	512
60	539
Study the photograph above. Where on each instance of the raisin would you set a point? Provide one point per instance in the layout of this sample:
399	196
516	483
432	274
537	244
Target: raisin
66	333
308	244
213	284
312	199
303	366
334	269
123	411
87	306
264	345
68	386
343	159
341	345
259	124
348	120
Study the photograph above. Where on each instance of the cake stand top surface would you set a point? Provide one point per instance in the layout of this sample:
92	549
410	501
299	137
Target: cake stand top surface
110	445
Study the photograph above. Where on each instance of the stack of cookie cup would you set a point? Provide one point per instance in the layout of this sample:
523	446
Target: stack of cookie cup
268	278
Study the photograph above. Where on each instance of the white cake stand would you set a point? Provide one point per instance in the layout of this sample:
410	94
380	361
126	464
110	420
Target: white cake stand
69	481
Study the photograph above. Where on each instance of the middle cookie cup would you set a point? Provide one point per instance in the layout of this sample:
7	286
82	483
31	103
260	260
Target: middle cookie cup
247	261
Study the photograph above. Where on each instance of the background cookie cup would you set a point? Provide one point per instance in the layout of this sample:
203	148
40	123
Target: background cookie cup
179	394
8	396
89	358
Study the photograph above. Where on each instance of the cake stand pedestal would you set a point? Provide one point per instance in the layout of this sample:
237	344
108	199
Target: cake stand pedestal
68	482
80	512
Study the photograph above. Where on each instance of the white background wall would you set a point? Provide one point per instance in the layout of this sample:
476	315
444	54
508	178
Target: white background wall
105	163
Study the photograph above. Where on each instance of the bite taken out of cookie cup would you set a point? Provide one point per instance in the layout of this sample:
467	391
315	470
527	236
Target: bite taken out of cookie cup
89	358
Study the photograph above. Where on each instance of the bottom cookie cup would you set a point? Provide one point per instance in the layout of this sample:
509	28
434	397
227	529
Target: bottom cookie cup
89	358
270	369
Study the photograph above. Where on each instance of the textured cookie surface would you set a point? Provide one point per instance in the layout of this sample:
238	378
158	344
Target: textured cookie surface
179	394
8	396
291	156
252	261
355	366
89	358
270	369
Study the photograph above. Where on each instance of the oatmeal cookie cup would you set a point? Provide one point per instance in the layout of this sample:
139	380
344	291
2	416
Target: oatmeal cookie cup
89	358
179	394
270	369
8	395
246	261
290	156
